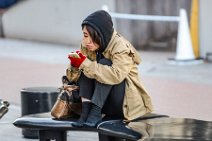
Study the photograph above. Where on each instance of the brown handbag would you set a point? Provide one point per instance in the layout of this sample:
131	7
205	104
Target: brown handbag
64	108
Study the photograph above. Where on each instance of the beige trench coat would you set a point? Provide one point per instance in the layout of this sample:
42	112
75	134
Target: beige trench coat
125	66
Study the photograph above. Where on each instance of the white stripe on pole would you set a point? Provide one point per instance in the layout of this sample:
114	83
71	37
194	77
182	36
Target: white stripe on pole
145	17
141	17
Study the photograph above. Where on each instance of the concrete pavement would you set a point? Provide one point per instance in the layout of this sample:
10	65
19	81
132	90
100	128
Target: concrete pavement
179	91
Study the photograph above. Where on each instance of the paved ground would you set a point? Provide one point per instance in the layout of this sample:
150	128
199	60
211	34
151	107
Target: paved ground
176	90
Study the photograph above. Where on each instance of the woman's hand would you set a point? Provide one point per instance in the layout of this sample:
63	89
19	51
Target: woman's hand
76	62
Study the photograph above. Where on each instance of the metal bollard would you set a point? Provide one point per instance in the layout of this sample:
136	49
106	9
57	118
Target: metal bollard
37	100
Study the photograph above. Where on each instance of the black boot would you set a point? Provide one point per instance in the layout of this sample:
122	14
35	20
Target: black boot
94	116
85	110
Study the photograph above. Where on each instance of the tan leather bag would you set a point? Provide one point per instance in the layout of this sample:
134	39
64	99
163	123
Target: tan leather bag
64	108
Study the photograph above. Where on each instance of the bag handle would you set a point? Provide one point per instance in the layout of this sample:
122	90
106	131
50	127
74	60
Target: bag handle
70	87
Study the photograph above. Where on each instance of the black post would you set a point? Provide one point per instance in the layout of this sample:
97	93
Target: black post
37	100
49	135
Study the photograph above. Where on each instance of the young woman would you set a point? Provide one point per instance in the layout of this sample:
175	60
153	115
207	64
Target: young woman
109	82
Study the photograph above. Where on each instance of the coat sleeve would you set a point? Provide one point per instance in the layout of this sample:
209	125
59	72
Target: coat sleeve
122	63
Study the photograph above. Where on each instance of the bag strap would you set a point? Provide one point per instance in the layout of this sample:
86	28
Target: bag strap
68	95
70	87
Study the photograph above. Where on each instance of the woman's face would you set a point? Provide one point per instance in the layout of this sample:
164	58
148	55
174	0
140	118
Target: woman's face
88	42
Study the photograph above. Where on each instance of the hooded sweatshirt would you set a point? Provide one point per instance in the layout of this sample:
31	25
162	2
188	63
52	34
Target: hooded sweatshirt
102	23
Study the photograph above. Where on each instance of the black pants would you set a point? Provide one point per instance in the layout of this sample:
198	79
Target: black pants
108	97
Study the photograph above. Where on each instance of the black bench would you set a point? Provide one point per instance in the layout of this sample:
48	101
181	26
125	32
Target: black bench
108	130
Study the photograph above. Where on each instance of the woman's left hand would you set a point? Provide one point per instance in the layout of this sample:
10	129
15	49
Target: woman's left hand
76	62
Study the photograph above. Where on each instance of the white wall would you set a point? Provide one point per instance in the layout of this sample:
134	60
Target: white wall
205	27
55	21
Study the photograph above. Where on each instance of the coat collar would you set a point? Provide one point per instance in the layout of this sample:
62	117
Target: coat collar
111	40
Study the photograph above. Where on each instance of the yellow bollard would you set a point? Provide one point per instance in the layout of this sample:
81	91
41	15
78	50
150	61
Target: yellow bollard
194	27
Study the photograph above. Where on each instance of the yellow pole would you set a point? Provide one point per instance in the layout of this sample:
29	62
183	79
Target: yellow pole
194	26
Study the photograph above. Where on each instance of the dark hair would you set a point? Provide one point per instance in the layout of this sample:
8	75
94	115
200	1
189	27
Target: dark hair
94	34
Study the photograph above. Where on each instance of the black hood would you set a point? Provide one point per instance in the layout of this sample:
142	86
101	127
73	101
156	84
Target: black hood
101	22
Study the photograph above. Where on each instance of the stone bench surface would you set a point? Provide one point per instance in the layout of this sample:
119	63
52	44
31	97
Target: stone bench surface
44	121
152	126
115	127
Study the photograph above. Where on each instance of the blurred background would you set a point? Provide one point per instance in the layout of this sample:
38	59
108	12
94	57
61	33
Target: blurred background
59	21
